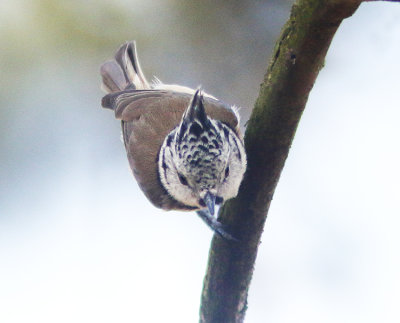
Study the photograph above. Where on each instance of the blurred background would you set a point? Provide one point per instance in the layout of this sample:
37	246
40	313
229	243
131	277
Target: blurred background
78	240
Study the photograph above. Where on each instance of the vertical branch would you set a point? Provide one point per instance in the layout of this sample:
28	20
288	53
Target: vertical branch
297	59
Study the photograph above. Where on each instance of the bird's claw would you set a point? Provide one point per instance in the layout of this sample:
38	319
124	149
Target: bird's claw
214	225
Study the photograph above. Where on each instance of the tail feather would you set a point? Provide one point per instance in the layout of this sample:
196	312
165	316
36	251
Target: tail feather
124	71
113	77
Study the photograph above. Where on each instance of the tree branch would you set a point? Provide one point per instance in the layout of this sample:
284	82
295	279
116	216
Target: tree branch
297	59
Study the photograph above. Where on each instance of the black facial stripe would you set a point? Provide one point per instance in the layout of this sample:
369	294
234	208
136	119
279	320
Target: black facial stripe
226	172
226	132
169	140
237	146
163	163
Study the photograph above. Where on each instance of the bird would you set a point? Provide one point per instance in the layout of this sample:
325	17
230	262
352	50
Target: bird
184	146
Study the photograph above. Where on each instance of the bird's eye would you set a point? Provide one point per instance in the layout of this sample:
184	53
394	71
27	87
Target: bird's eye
183	179
226	171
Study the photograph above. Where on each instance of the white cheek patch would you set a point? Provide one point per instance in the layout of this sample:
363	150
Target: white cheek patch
170	179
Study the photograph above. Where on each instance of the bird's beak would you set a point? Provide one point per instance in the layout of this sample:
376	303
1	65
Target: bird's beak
209	200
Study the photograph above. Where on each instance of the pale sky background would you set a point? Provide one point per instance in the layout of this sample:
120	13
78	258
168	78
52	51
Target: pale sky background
80	243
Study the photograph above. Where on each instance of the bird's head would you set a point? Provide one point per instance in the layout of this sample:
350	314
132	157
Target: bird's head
202	161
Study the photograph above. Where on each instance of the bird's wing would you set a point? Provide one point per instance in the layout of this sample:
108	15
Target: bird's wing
129	105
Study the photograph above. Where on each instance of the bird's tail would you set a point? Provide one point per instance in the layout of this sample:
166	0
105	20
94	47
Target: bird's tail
123	72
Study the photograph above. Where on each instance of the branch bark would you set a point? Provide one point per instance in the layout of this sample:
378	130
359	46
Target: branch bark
297	59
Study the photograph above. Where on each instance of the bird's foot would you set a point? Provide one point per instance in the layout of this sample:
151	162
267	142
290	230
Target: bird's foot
214	225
